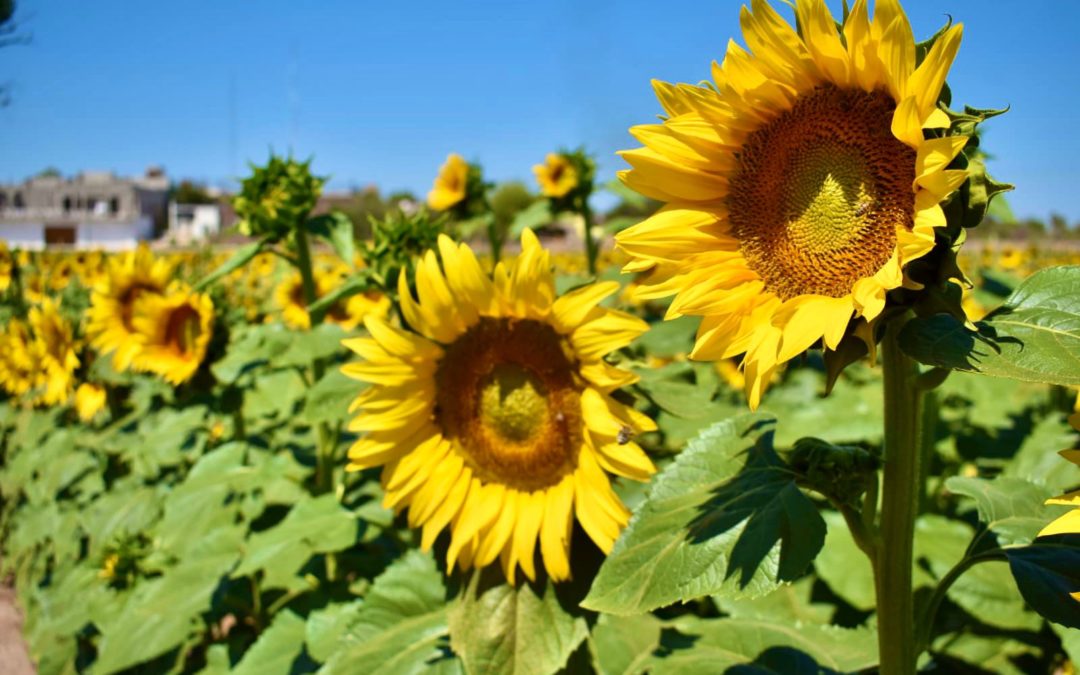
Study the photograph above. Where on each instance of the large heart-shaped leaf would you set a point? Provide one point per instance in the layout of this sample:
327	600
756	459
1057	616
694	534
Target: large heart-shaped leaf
725	518
1034	336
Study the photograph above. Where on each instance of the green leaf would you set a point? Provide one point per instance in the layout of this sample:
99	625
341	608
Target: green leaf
317	525
981	654
329	399
276	649
531	217
986	591
326	626
337	230
1048	574
239	258
791	601
402	625
321	342
496	627
1034	336
1036	460
159	614
844	567
717	644
1011	508
724	518
622	644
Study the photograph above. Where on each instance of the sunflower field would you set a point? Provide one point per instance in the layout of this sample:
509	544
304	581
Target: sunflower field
780	416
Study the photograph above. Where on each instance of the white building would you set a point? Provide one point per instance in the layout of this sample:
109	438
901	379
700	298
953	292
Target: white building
192	223
92	210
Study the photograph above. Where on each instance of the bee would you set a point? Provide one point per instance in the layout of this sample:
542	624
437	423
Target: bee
625	434
863	207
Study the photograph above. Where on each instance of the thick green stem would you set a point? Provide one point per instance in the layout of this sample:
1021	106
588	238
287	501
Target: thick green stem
592	247
494	239
327	440
899	506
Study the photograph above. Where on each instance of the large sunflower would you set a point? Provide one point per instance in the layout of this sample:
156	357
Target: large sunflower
127	278
497	420
799	186
173	331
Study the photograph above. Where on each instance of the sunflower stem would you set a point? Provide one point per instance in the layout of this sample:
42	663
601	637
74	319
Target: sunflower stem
327	441
899	506
592	248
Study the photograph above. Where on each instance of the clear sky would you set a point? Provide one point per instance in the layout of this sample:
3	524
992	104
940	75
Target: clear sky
380	91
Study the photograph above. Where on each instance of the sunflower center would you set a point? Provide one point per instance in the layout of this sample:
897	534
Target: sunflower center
820	192
513	402
182	329
508	397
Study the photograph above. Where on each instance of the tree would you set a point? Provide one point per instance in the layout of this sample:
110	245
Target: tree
188	192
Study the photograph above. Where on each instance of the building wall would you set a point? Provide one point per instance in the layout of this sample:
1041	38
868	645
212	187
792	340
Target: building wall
88	235
30	236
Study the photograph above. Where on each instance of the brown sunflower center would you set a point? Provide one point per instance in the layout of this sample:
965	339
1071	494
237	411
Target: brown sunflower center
820	191
128	298
182	329
508	397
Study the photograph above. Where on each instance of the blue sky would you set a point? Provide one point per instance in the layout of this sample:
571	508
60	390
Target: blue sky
380	92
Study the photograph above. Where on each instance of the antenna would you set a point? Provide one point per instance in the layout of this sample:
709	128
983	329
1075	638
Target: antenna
233	170
293	95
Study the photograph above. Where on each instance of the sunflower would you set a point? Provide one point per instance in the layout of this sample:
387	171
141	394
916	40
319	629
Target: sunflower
126	280
18	362
289	296
173	331
451	183
348	313
497	420
797	188
89	401
557	176
5	266
54	349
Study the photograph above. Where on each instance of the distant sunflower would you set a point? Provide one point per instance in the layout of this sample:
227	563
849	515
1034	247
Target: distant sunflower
173	331
55	350
18	362
451	183
497	421
289	297
798	188
128	278
5	266
556	176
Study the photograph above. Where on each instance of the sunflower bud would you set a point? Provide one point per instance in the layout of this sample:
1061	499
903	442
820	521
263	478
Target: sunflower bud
841	472
277	198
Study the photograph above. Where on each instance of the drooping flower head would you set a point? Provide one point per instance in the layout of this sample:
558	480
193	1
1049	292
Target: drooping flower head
799	186
128	277
496	420
173	331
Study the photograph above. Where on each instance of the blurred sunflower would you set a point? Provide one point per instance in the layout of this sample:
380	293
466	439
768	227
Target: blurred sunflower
6	266
497	420
799	187
289	297
173	331
127	278
556	176
451	183
89	401
54	347
18	365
